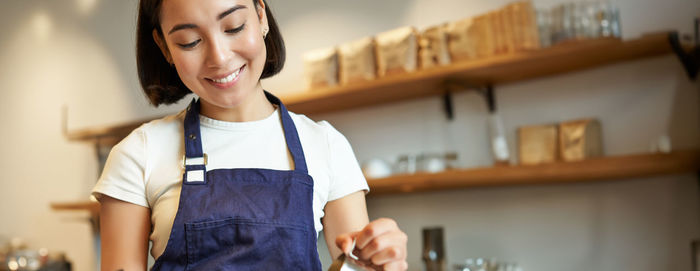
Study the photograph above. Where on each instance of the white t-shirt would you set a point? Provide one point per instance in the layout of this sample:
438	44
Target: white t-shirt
146	167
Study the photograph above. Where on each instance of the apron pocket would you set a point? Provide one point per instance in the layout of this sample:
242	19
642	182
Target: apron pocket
247	244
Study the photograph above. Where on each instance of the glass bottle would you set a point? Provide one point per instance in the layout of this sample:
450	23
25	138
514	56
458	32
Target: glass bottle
433	249
497	137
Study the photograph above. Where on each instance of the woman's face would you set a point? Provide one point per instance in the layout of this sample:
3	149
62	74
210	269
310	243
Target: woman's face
217	46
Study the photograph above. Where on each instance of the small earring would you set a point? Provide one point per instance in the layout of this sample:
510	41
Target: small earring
264	32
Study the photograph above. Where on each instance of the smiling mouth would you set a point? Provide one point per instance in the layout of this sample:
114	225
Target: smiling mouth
228	78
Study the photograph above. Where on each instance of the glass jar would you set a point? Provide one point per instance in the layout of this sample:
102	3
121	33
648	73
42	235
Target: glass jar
497	137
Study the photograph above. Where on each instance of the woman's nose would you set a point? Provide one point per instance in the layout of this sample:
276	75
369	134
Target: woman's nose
219	53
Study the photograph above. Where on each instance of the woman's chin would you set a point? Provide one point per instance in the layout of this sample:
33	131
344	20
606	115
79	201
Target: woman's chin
226	103
229	98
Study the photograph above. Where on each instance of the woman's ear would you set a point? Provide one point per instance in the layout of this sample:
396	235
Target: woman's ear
163	46
262	16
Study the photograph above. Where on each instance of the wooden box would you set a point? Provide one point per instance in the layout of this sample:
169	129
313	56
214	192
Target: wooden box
508	31
537	144
321	68
357	61
482	32
580	139
499	32
433	47
397	51
459	44
523	25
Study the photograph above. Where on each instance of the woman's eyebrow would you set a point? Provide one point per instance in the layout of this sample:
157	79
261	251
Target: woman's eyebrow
181	26
229	11
221	16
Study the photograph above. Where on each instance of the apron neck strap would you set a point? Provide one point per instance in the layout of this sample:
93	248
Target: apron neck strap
193	135
290	134
193	138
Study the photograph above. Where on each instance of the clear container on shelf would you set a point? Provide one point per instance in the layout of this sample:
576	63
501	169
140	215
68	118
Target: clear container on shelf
588	20
406	164
435	162
544	26
557	24
581	20
481	264
497	137
607	19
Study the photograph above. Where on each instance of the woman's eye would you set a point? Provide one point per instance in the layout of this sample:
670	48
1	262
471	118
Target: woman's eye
235	30
189	45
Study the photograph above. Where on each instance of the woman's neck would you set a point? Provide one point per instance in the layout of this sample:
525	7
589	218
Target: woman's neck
254	106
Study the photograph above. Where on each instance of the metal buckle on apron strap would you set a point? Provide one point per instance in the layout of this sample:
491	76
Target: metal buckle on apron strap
190	161
195	169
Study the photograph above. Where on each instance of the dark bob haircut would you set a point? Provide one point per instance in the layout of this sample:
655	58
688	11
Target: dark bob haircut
160	80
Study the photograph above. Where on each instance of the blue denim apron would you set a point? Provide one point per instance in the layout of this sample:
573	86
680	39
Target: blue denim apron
242	219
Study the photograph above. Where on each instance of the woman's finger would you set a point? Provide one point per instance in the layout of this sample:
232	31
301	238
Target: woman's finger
374	229
385	248
396	266
344	241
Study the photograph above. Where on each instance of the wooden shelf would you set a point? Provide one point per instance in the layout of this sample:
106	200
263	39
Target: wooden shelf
600	169
558	59
608	168
107	134
562	58
90	206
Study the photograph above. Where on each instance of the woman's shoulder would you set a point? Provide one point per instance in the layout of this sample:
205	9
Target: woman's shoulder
164	124
312	128
157	130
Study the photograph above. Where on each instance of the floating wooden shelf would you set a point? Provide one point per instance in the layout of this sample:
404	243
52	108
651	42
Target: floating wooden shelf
562	58
599	169
607	168
111	134
90	206
567	57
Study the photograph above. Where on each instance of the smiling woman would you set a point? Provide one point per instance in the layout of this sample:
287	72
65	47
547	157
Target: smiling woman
159	78
235	181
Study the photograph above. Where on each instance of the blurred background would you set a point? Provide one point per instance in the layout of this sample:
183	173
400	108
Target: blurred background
69	65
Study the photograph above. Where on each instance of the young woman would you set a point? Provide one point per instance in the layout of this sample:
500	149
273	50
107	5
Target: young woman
235	181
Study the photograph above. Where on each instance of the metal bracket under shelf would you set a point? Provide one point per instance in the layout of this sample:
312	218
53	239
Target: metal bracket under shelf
447	105
452	85
690	60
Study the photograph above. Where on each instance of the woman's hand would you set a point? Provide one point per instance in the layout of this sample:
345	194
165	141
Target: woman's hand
381	243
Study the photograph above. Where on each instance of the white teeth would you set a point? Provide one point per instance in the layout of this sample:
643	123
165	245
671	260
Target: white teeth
228	78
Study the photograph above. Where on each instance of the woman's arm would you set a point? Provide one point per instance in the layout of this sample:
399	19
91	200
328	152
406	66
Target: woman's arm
346	214
380	242
124	230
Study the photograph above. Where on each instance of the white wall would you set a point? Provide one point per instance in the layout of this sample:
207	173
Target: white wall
82	58
55	54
